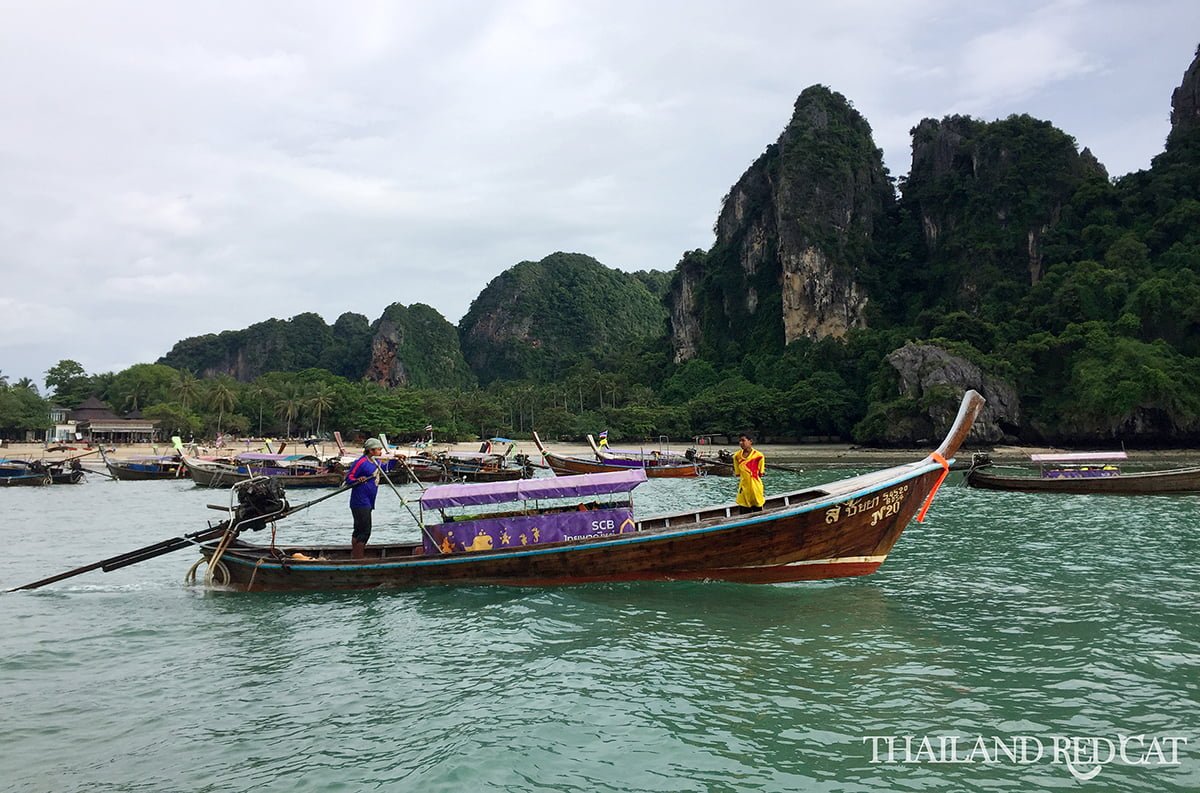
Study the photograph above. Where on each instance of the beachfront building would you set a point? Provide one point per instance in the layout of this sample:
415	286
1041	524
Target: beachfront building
95	422
62	426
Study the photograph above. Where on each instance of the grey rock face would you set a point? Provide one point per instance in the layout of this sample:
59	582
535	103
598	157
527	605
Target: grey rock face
938	378
386	367
792	235
1185	100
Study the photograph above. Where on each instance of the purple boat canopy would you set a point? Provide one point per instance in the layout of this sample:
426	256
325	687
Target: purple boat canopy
581	486
1078	457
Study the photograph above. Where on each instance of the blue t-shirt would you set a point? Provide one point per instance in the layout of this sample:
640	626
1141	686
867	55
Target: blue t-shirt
363	495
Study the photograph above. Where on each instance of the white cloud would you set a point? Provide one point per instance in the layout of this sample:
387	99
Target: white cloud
1012	63
223	163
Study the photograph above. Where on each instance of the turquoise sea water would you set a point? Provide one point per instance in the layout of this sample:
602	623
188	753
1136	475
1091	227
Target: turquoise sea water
1002	615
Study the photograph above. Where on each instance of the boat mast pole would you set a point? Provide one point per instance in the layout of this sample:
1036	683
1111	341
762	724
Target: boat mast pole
403	501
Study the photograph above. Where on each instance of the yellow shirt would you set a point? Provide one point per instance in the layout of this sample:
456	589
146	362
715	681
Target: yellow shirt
749	467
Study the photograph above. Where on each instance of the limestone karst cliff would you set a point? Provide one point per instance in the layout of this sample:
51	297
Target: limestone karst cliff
416	346
792	237
1185	102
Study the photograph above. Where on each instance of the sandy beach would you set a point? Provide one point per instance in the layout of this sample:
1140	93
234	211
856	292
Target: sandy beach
826	455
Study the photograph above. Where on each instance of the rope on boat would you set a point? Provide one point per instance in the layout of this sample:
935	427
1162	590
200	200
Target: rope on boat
254	572
939	459
190	577
215	562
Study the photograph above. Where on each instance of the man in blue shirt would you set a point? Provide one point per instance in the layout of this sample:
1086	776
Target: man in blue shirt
363	476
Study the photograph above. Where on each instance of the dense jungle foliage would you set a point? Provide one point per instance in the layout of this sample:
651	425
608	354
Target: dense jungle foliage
536	319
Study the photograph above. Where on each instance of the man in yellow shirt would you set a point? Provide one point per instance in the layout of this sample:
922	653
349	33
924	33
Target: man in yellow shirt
748	466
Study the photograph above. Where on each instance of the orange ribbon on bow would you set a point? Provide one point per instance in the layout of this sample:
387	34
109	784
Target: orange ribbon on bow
937	458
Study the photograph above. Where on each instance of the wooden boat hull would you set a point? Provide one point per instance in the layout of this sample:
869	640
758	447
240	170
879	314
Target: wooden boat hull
567	466
1175	480
25	480
810	535
218	475
716	467
484	475
126	474
66	477
841	529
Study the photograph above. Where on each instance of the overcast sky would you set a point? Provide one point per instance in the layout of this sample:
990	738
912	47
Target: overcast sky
169	169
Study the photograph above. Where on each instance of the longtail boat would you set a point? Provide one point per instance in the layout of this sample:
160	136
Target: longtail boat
21	473
290	470
1083	473
65	473
719	465
839	529
484	466
565	465
141	469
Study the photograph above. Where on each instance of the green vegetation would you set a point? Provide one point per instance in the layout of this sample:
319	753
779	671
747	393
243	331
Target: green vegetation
426	344
21	408
537	319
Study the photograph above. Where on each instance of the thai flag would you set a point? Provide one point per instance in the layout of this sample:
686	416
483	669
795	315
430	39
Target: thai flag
604	435
429	428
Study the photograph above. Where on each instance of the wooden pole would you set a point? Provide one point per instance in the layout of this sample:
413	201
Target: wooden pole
167	546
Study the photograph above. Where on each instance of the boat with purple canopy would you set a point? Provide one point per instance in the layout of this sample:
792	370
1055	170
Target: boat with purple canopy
549	531
1083	473
581	529
654	465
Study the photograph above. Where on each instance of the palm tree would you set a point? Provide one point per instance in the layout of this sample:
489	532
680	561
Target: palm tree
3	380
222	396
260	393
26	384
137	394
187	388
288	407
320	400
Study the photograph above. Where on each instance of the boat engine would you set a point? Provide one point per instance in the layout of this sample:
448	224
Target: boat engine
260	501
525	464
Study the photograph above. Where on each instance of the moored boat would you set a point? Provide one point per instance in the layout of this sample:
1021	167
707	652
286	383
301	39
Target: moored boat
291	470
719	465
1083	473
483	466
21	473
69	473
840	529
567	465
141	469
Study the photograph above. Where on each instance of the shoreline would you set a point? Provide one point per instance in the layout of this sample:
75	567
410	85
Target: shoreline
836	455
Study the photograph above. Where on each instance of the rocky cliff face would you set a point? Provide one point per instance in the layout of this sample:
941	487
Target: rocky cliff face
386	364
987	194
406	346
926	370
1185	102
792	236
416	346
270	346
683	304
